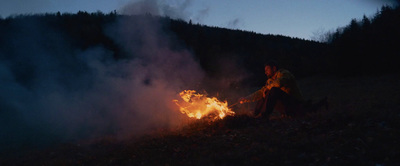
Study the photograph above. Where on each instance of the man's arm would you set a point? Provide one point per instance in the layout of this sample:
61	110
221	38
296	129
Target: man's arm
283	78
258	95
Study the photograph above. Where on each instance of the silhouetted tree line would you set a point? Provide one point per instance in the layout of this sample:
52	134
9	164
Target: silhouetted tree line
215	46
81	30
367	46
362	47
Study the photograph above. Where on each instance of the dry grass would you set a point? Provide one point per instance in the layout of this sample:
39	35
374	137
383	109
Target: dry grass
361	127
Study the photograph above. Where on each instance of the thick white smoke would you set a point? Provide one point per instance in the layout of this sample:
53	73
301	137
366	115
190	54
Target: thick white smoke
51	91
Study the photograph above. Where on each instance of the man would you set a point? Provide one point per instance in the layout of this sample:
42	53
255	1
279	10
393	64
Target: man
281	87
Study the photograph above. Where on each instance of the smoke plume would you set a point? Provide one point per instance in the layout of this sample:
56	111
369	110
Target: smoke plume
53	92
235	23
174	9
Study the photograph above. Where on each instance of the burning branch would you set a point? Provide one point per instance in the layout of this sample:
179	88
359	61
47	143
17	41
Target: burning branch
196	105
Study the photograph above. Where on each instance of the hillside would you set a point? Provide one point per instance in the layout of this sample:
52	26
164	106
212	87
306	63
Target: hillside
210	45
361	127
364	42
228	59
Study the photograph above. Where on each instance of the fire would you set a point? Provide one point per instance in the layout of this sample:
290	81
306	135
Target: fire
196	105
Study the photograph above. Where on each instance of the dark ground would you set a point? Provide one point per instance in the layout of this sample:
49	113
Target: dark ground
361	127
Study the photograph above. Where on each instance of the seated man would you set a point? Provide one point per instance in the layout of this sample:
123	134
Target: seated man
280	87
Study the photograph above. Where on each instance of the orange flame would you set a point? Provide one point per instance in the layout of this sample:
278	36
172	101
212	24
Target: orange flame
196	105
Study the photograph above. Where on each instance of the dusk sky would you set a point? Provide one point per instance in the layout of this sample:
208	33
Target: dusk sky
295	18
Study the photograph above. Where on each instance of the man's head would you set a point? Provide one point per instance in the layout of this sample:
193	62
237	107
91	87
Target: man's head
270	68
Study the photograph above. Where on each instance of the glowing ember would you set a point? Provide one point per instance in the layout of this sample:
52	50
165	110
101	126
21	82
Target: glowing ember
196	105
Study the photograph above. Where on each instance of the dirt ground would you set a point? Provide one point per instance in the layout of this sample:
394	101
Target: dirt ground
361	127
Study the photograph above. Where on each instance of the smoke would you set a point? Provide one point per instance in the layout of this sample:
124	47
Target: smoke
178	11
52	92
175	9
141	7
227	73
235	23
203	13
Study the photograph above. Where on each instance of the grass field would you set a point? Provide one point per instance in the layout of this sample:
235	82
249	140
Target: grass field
361	127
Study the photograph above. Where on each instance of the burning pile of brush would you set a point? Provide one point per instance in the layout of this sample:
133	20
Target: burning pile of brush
199	106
